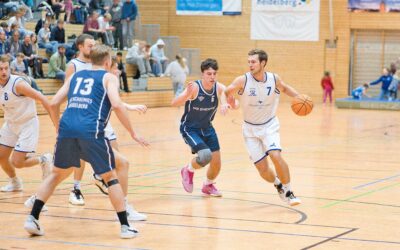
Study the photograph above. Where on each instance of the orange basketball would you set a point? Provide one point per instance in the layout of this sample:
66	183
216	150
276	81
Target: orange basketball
302	105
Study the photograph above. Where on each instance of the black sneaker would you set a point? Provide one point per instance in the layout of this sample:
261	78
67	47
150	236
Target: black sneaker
76	197
99	182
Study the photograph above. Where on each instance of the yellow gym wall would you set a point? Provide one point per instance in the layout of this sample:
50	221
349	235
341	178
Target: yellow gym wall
301	64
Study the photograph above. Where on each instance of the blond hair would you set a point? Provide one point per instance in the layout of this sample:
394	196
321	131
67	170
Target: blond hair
99	53
181	61
4	58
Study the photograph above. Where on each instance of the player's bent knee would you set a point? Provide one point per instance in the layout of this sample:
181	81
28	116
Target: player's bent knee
203	157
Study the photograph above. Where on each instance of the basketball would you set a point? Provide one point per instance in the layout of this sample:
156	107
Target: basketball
302	105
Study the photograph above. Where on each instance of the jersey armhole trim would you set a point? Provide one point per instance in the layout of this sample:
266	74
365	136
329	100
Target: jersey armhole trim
244	87
276	89
198	89
13	86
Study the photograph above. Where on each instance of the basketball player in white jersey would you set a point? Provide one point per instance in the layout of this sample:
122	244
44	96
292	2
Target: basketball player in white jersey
84	43
259	93
20	131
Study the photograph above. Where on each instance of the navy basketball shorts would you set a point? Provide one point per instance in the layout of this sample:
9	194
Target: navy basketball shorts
97	152
200	138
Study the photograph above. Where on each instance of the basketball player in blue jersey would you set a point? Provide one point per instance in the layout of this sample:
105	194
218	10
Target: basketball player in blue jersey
201	101
19	133
259	93
91	95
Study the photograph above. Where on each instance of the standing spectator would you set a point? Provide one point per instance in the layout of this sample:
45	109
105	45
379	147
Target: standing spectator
327	86
116	12
159	60
386	79
44	40
58	64
178	71
393	87
104	25
128	17
92	27
122	69
18	67
136	55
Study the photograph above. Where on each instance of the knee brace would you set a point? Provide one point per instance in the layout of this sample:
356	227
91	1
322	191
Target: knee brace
203	157
112	182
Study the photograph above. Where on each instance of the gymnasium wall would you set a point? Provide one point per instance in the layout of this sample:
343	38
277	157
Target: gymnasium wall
300	64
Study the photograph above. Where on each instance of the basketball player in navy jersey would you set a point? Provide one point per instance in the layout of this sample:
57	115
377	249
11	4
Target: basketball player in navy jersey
201	101
91	95
259	93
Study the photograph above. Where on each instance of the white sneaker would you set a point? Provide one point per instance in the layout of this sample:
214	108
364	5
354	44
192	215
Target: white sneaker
31	200
134	215
13	186
32	226
125	48
76	197
292	200
128	232
46	162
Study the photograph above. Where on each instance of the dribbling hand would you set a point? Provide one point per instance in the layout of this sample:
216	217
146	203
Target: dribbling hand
140	140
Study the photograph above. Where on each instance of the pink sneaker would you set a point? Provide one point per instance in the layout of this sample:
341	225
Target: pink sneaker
187	179
211	190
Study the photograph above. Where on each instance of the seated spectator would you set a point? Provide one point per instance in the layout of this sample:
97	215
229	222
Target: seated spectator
92	27
19	19
386	79
158	59
57	6
178	71
69	7
13	45
122	69
38	60
30	58
104	25
48	18
58	64
359	92
18	67
3	41
44	40
58	32
4	26
136	55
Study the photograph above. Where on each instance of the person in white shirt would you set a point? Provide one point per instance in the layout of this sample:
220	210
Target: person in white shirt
104	25
136	55
178	71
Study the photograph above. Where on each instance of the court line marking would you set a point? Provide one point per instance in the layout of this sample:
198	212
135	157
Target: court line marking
377	181
35	239
329	239
360	195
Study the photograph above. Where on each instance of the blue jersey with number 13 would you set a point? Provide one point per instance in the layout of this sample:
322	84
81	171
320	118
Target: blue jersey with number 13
88	108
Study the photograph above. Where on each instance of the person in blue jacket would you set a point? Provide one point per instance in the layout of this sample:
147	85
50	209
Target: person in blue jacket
128	17
386	79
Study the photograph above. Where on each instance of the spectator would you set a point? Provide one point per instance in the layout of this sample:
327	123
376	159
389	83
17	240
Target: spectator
13	45
178	71
18	67
359	92
158	58
19	19
116	12
58	32
4	26
104	25
122	69
92	27
57	64
69	7
136	55
44	40
79	12
3	41
38	60
128	17
386	79
393	87
48	18
327	86
57	6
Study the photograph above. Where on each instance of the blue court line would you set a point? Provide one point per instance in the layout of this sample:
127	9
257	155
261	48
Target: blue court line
377	181
36	239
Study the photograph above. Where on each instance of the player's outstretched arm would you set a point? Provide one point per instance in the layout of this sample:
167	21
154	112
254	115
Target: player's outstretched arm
70	70
189	93
222	97
285	88
57	100
25	89
112	85
237	86
140	108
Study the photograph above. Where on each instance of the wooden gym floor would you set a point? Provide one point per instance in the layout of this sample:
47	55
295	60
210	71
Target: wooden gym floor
344	166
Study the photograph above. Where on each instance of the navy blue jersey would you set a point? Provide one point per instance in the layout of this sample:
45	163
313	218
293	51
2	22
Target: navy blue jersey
88	108
200	112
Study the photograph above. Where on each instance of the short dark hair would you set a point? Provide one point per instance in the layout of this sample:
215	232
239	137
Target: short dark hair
119	53
366	85
262	55
209	63
81	39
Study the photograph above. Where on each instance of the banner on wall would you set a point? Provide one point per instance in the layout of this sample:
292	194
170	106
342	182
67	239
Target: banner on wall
288	20
374	5
208	7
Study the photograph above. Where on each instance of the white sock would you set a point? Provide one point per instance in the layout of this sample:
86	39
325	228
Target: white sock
14	179
208	181
77	184
277	181
286	187
190	167
41	159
